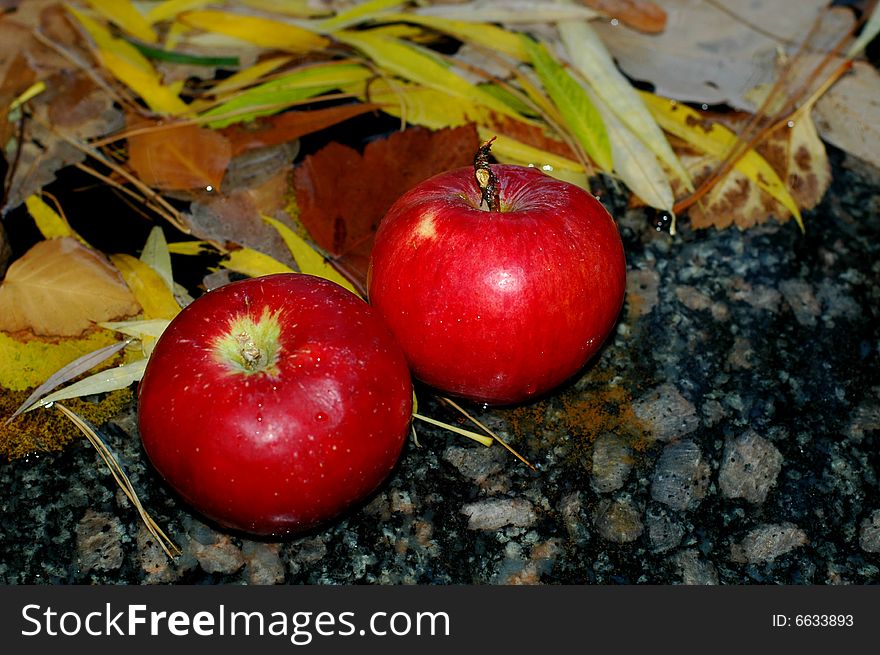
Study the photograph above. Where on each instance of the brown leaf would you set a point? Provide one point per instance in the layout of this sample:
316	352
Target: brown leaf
342	195
281	128
797	155
60	287
180	157
642	15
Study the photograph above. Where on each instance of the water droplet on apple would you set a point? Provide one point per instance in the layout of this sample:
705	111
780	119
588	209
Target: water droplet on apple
320	416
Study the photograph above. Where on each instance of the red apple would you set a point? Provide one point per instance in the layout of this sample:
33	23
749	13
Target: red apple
497	306
274	404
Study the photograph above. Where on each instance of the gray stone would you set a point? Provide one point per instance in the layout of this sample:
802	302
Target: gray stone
869	533
666	413
681	477
641	291
612	462
221	556
493	514
476	463
767	542
749	467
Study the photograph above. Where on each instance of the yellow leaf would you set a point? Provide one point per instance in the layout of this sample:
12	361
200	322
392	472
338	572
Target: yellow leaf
157	256
130	67
110	379
169	9
249	75
295	8
147	286
281	92
124	14
139	329
253	263
718	141
590	57
307	258
419	65
50	224
636	165
357	14
263	32
490	36
189	247
60	287
28	363
505	147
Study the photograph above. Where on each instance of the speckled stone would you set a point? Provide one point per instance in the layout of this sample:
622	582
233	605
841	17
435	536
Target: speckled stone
98	542
869	533
618	520
667	413
494	513
749	466
767	542
612	462
694	569
724	334
681	477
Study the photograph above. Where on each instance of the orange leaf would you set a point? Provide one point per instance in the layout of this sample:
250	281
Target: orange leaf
642	15
180	157
288	126
60	287
342	195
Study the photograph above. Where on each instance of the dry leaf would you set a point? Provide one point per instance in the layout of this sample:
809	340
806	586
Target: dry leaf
715	52
848	115
642	15
289	126
342	195
796	154
181	157
59	287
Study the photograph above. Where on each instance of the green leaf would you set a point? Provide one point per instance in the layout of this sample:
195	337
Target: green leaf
421	66
275	95
590	57
580	114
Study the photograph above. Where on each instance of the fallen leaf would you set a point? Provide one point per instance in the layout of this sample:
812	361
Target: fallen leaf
148	287
342	194
589	56
258	30
848	115
579	112
707	133
253	263
510	11
124	14
59	287
419	65
308	260
359	13
50	224
715	52
110	379
280	93
289	126
27	360
130	67
179	157
642	15
795	154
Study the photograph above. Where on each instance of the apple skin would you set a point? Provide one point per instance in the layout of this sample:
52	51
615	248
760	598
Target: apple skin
291	445
497	307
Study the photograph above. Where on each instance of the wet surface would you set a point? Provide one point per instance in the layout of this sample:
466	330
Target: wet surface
727	433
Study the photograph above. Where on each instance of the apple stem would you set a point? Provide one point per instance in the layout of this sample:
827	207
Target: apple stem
486	179
251	355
